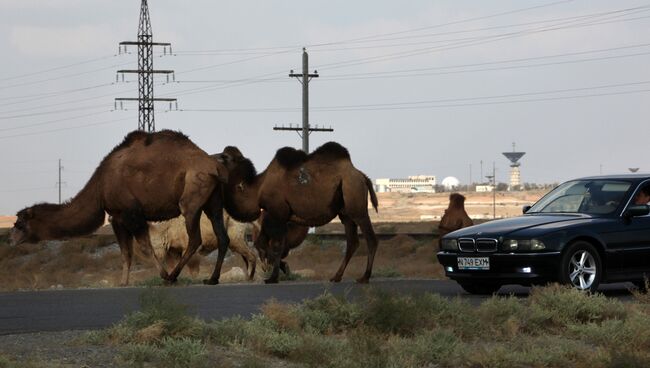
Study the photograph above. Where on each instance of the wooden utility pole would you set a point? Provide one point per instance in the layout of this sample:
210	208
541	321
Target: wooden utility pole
304	78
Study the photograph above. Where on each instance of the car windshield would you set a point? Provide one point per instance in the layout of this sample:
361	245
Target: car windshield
593	197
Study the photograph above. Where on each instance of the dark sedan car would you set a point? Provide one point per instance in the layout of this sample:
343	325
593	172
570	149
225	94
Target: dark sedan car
584	232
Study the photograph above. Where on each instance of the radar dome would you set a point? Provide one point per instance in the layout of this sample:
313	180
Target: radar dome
450	182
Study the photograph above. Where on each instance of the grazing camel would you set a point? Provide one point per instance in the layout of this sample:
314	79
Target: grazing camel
308	190
296	234
148	177
169	240
455	216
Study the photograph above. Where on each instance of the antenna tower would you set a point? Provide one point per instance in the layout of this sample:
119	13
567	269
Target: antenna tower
515	174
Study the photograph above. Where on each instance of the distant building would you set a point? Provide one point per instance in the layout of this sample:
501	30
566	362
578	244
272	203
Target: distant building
413	184
484	188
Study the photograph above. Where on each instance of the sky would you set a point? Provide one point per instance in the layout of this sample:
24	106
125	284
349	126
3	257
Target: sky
410	88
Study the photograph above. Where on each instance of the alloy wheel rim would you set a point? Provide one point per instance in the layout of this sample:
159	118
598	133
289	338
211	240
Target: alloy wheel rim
582	270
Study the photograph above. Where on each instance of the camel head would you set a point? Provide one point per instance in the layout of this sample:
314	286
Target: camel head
241	170
456	200
22	232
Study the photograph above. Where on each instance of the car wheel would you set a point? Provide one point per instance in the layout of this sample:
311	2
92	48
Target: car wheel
581	266
480	288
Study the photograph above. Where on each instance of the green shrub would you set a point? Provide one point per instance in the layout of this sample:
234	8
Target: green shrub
157	305
427	349
390	313
569	305
329	314
138	354
183	353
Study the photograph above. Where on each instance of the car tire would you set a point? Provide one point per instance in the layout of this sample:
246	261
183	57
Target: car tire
480	288
581	266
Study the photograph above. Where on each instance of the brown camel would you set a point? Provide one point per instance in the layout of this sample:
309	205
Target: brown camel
308	190
148	177
296	234
455	216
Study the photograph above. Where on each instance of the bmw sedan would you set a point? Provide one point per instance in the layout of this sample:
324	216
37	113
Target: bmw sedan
584	232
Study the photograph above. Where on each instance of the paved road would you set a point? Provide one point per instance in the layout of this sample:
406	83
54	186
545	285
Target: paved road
57	310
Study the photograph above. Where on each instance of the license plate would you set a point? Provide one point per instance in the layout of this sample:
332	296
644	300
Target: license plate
473	263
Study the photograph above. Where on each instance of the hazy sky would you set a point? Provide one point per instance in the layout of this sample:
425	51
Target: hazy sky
410	87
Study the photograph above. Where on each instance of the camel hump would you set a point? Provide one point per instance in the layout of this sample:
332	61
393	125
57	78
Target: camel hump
331	150
290	157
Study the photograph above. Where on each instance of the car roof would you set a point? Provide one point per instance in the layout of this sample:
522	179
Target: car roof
635	177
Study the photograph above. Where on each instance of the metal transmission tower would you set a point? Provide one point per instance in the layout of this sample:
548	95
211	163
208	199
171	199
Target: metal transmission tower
304	79
145	71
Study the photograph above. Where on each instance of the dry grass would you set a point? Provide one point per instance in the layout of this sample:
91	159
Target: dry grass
555	327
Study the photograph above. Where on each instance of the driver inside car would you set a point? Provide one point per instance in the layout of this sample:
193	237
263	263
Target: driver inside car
643	195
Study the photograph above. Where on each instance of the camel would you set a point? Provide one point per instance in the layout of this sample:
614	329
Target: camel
296	234
147	177
308	190
169	240
455	216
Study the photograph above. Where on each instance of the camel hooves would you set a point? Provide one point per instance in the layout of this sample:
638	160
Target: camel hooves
271	281
363	280
335	279
211	282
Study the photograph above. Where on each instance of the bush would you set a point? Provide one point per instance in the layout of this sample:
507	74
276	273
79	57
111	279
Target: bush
390	313
329	314
568	305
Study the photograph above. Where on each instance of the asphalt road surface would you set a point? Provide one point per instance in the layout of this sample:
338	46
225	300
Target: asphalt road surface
82	309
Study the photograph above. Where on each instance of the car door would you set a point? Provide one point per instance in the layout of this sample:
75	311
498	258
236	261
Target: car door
631	239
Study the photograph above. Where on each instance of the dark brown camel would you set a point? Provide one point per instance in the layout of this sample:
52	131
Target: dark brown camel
296	234
308	190
148	177
455	216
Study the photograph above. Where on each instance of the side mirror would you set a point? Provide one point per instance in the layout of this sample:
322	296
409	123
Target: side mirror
636	210
525	209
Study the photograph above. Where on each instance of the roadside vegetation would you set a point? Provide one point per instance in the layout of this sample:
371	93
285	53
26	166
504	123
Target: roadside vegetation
94	262
554	327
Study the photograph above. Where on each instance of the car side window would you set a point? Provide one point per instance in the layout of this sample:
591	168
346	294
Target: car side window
641	196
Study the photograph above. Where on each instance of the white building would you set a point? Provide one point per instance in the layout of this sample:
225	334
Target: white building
413	184
484	188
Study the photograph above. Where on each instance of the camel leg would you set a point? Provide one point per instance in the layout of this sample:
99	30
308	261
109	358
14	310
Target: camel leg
144	239
125	240
214	211
371	240
277	261
351	247
273	235
192	224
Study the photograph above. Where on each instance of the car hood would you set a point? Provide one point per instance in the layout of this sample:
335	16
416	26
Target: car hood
507	226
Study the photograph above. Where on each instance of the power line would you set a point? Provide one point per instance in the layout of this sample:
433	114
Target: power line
66	128
478	41
58	68
53	94
62	77
428	103
484	40
25	126
50	112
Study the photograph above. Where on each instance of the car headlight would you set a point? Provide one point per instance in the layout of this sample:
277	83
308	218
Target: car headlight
523	245
449	244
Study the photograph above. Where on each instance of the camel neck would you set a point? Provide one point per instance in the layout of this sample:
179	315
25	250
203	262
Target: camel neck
80	216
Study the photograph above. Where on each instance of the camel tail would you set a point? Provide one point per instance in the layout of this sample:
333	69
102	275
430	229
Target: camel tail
373	195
